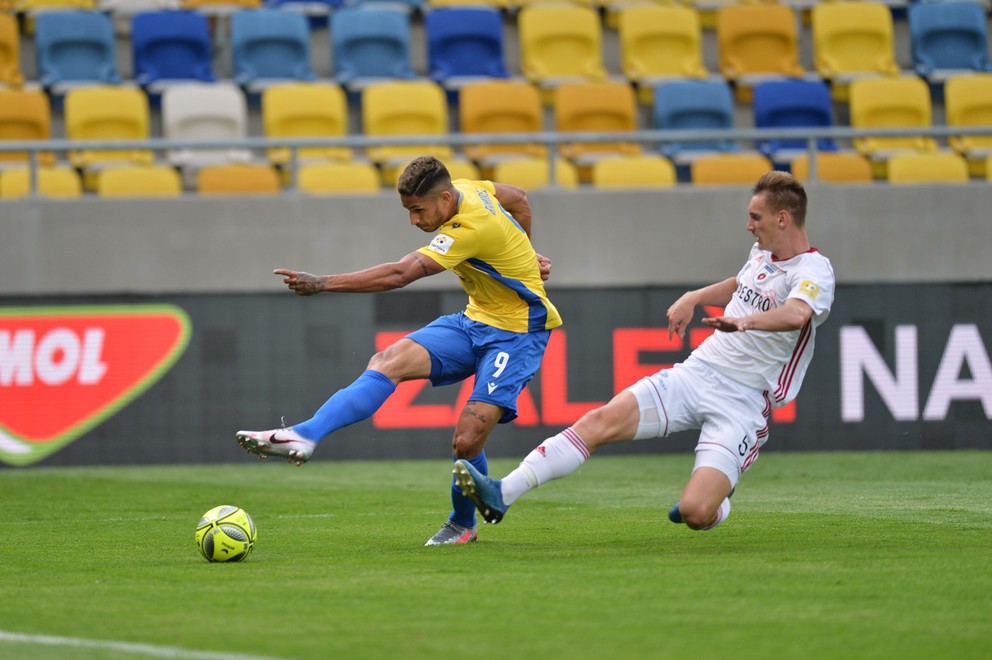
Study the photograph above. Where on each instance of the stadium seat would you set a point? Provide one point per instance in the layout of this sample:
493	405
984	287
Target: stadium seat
204	111
463	44
693	104
968	102
659	42
600	107
238	179
851	40
415	107
500	106
407	6
220	6
756	42
902	102
647	171
948	38
128	8
75	47
935	167
729	169
370	45
792	104
560	42
268	46
532	173
139	181
339	177
25	114
834	167
58	181
305	110
431	5
107	113
171	46
10	52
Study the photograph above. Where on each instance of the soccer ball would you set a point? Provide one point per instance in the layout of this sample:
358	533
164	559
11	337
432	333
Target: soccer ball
225	533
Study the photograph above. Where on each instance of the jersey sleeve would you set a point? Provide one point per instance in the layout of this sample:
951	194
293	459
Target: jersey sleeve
813	283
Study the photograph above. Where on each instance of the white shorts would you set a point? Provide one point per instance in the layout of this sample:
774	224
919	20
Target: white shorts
732	418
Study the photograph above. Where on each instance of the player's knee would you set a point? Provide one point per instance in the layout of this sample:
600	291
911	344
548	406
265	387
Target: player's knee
697	514
467	445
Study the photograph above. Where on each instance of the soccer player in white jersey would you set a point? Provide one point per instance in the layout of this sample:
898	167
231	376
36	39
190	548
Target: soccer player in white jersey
726	388
482	234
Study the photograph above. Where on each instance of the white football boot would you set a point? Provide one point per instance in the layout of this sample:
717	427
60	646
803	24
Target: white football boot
277	442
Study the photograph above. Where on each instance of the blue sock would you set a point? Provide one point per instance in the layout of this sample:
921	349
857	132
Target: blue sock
464	513
349	405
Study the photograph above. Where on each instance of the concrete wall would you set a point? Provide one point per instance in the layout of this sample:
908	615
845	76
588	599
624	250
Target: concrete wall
873	234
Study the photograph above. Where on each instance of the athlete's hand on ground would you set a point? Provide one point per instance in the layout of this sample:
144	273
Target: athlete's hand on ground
303	284
545	265
726	323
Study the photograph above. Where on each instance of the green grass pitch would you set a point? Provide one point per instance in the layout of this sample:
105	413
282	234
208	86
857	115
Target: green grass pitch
826	555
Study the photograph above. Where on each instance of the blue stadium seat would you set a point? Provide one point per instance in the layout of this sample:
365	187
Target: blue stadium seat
75	47
270	45
792	104
948	36
316	11
370	44
464	43
171	45
693	104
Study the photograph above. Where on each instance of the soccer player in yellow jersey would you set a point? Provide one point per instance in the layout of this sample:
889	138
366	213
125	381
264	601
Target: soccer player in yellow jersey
481	233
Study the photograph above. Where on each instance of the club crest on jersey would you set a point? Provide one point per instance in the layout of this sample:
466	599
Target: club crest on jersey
766	270
441	243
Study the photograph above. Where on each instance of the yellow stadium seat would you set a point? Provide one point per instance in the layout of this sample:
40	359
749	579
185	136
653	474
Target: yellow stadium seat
560	42
52	182
648	171
339	177
850	40
10	52
934	167
729	169
658	42
305	110
238	179
840	167
968	102
607	106
107	114
500	106
902	102
533	173
757	41
29	6
988	168
139	181
404	108
25	115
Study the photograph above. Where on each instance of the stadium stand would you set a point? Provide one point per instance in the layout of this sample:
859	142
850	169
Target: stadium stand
168	46
659	42
500	106
729	169
305	110
605	106
464	44
10	52
220	6
836	167
935	167
756	42
534	173
703	104
238	179
560	43
56	181
338	178
204	111
370	45
25	114
75	47
139	181
948	38
850	40
414	107
791	104
968	102
269	46
107	113
645	171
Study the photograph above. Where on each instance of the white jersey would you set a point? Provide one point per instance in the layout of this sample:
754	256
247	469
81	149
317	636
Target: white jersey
775	362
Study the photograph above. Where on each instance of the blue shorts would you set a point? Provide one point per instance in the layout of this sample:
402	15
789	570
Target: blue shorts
502	362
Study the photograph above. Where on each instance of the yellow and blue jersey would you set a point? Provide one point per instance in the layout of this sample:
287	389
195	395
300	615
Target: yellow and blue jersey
495	262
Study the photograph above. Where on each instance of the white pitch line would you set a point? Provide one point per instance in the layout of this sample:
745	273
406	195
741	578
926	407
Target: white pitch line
126	647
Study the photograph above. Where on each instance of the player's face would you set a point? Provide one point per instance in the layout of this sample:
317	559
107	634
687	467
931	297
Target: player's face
762	223
426	213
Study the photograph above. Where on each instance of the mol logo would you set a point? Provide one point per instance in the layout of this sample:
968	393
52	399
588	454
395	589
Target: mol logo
63	370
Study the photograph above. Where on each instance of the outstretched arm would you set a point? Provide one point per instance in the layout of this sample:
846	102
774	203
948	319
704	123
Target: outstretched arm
792	315
681	311
384	277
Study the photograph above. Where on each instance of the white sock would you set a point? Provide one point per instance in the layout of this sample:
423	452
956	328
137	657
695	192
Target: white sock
555	457
721	514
